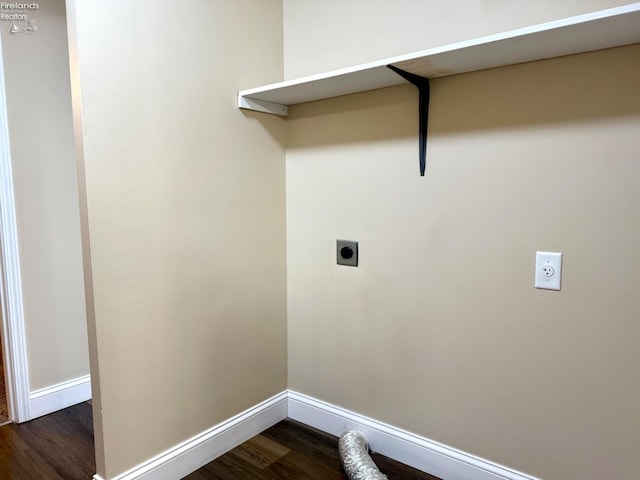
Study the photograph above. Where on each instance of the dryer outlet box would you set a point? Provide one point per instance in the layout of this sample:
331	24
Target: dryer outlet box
347	253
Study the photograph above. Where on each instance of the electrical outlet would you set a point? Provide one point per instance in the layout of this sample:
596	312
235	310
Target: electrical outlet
347	252
548	270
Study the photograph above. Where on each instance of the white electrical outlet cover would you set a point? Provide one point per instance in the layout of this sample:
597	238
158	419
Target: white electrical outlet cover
548	270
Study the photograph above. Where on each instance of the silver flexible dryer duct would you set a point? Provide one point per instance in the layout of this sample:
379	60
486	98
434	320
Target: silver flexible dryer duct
354	453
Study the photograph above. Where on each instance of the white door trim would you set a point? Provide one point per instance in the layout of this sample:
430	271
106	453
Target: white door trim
14	342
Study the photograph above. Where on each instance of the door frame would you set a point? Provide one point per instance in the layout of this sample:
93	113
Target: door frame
14	340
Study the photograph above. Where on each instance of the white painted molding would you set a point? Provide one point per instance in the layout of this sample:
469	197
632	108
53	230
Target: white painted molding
262	106
418	452
14	338
192	454
56	397
400	445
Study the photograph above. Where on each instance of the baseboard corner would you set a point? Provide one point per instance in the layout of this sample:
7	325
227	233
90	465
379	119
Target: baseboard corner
413	450
56	397
199	450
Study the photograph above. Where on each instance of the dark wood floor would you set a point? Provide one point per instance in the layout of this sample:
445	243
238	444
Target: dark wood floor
60	447
55	447
4	413
290	450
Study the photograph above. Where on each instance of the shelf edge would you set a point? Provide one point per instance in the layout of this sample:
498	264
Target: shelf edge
250	98
263	106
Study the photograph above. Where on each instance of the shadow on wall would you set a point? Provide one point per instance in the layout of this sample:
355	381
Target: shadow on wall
384	109
567	89
273	124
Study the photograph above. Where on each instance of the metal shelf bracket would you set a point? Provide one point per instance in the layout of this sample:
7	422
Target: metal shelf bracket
424	91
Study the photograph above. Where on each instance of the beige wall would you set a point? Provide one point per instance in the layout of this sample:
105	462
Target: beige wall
440	330
186	209
329	34
42	150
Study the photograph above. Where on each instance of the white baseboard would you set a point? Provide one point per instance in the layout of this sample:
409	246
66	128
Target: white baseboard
51	399
192	454
419	452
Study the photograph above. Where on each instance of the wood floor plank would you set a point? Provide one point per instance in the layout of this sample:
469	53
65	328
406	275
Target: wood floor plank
294	465
4	411
396	470
228	467
261	451
60	447
307	441
54	447
27	465
10	443
313	455
199	474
